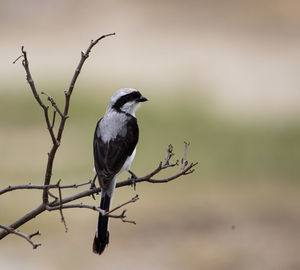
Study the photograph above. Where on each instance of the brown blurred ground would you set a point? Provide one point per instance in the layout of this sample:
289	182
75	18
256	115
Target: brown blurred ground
221	74
212	229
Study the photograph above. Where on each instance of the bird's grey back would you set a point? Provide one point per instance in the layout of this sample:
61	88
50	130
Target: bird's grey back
112	125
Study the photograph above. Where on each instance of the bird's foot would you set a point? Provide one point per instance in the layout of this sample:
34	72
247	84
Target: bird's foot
133	178
92	186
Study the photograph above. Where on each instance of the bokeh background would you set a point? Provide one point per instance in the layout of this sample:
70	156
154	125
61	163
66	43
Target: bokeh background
223	75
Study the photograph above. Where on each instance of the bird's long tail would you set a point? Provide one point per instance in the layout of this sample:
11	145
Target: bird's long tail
101	239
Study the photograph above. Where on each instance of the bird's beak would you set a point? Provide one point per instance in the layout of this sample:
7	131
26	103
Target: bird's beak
142	99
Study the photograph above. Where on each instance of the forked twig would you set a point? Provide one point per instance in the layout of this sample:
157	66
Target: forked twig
27	237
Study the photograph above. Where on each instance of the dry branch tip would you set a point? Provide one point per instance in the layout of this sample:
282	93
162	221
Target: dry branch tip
15	61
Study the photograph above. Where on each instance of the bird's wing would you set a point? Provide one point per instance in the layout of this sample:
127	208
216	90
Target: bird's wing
110	157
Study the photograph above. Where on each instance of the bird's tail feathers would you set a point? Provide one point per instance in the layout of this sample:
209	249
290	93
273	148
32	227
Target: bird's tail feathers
101	239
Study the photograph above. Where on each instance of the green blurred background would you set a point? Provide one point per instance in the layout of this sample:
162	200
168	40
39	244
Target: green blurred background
223	75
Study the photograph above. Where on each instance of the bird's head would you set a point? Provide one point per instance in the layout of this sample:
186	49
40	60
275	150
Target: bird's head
126	100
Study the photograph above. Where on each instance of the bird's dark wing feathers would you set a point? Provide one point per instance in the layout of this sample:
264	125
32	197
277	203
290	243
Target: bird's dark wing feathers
110	157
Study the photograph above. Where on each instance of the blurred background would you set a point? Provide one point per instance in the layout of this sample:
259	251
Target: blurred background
223	75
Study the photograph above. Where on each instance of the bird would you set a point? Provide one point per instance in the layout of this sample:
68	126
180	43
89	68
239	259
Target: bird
115	139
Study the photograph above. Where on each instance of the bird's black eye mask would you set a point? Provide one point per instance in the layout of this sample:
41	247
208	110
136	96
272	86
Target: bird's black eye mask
126	98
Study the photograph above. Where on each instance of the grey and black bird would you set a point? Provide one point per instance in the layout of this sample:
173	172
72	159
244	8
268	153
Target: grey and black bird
115	140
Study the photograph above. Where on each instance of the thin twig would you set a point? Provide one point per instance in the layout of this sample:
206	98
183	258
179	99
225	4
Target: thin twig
18	58
168	155
122	216
134	199
53	103
63	220
184	161
53	120
52	195
29	79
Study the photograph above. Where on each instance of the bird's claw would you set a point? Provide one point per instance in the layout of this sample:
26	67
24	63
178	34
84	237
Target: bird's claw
133	178
92	186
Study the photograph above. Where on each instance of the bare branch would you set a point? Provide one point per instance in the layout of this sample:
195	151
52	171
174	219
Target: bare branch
147	178
186	171
29	79
78	205
68	94
27	237
55	139
94	208
84	56
30	186
62	203
98	209
162	166
77	196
